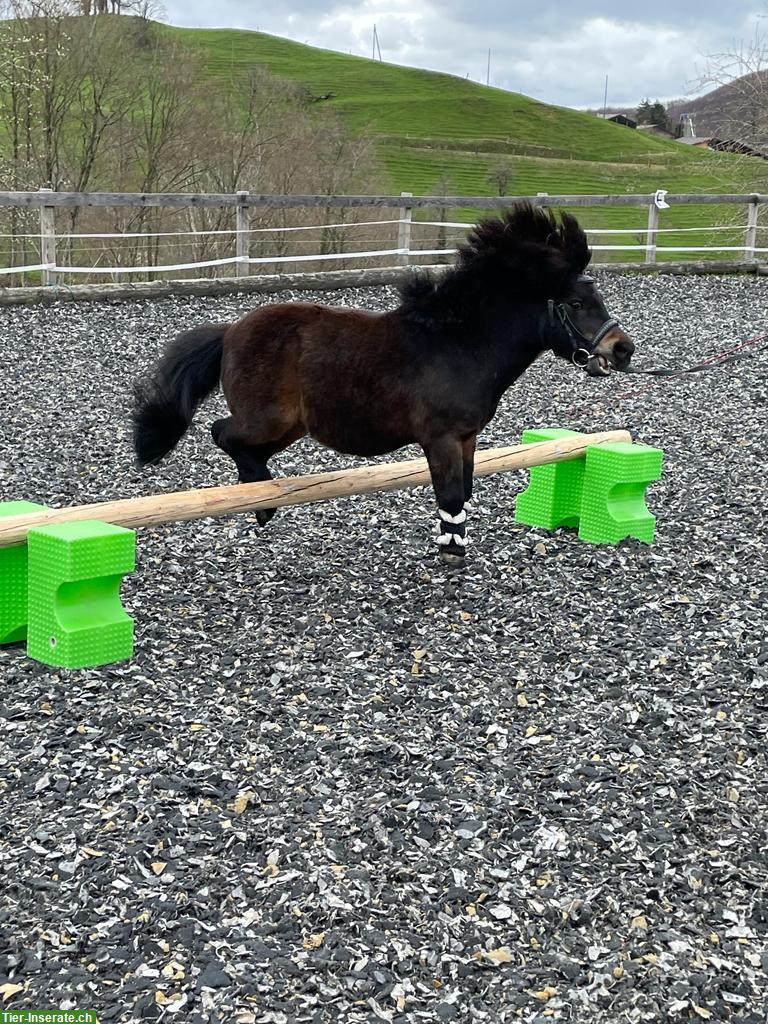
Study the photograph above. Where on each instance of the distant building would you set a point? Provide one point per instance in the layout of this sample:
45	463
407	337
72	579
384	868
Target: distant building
734	146
723	145
622	119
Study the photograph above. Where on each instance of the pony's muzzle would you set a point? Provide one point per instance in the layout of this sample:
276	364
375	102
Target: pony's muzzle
598	365
613	353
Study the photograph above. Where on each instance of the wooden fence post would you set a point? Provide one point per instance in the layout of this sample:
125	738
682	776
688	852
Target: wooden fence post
650	238
47	240
242	239
404	232
750	241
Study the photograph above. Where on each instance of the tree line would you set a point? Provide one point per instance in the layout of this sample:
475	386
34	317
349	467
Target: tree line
115	104
652	113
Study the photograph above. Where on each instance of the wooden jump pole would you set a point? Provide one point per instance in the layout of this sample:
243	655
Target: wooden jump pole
206	502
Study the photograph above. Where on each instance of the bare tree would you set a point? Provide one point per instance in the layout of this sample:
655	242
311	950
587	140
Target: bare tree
36	86
36	41
74	113
340	162
444	186
500	175
736	112
738	109
108	92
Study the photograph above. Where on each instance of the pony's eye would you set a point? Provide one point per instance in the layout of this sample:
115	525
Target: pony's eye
576	304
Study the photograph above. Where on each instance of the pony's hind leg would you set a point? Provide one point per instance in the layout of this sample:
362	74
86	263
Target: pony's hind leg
446	460
251	458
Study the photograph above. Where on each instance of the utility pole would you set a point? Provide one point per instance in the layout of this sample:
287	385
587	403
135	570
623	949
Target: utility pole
376	45
488	73
605	98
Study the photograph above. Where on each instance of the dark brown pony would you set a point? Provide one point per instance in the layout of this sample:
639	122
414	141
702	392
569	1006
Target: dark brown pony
430	372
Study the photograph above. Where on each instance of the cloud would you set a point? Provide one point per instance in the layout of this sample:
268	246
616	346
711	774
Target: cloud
402	26
554	52
639	59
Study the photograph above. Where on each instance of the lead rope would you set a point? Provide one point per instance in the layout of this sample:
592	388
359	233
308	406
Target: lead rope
730	355
721	358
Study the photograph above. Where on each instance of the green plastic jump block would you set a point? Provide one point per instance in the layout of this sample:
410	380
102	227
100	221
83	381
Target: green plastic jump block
616	477
553	495
13	579
76	619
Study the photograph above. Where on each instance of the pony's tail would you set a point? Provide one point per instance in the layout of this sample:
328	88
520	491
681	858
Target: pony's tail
165	404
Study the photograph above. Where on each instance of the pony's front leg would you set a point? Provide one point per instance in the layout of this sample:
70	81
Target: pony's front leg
468	446
445	456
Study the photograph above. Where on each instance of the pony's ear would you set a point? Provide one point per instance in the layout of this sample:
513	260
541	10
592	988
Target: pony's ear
574	243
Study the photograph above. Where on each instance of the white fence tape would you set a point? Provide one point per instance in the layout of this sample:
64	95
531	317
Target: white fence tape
328	256
22	270
675	248
657	231
213	231
166	268
143	270
219	263
203	233
416	254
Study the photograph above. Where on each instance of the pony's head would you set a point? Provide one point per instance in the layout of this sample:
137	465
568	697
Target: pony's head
537	260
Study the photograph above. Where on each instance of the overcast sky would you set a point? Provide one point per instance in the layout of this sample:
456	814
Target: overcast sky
553	50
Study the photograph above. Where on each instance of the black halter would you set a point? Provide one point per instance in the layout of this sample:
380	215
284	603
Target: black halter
557	312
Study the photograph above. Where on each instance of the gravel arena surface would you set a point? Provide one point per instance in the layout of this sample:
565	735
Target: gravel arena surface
339	782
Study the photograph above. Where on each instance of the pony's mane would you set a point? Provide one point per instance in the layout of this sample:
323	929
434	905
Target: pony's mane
527	231
525	253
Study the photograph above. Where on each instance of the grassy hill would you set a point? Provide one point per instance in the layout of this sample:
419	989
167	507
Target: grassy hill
430	127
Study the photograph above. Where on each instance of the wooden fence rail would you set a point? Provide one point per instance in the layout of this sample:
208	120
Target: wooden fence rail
48	202
251	199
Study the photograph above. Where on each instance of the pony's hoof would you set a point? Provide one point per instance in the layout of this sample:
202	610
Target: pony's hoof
263	515
455	561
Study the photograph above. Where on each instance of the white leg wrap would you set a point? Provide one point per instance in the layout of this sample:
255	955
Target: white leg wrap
452	538
454	520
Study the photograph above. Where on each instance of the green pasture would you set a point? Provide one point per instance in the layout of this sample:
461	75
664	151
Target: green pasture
436	132
387	99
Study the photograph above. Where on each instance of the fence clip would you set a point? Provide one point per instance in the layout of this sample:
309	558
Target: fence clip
660	199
